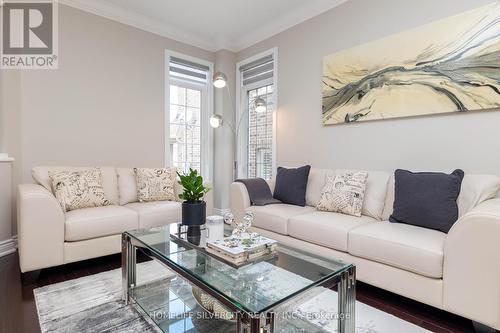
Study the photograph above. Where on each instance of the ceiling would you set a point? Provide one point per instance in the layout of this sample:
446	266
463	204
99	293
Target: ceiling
211	25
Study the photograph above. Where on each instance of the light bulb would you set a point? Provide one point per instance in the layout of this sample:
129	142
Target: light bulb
220	80
216	121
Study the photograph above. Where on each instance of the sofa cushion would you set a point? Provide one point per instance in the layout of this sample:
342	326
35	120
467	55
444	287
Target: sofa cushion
376	190
109	180
389	200
404	246
275	217
291	184
475	189
315	184
155	214
127	186
155	184
427	199
344	193
78	189
96	222
325	228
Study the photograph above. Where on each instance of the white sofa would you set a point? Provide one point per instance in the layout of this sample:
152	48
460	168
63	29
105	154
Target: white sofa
49	237
458	272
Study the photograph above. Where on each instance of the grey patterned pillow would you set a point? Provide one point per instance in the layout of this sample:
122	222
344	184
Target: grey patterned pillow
344	193
155	184
78	189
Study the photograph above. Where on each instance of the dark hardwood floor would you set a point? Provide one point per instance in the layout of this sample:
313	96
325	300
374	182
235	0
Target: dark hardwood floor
18	310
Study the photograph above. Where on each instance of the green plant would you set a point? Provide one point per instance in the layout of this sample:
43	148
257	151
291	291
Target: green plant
194	190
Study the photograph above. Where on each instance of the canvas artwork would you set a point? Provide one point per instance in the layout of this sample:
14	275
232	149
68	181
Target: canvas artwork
451	65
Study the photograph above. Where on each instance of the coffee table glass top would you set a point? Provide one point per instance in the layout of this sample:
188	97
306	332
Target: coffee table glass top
254	288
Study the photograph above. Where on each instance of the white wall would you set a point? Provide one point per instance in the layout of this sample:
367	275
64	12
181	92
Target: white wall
10	127
5	200
468	141
105	103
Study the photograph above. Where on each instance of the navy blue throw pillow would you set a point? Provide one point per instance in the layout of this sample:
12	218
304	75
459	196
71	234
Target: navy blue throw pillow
427	199
291	185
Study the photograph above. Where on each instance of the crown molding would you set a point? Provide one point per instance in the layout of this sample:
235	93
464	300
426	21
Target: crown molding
140	21
146	23
286	21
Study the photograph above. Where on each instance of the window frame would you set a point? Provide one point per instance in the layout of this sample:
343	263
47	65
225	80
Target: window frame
241	111
207	110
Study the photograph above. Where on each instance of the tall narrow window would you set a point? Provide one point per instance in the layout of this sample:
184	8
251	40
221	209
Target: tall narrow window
260	134
185	127
258	81
188	110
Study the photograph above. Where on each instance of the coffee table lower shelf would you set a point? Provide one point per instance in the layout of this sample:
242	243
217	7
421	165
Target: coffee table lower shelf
171	306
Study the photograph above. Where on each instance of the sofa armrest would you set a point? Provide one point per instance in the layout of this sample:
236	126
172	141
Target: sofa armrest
240	201
471	273
40	228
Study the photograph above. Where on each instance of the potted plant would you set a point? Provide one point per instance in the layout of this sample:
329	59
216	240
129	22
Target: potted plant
193	208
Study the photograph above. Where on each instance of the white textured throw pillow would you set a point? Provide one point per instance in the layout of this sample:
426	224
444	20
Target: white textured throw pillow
344	193
155	184
78	189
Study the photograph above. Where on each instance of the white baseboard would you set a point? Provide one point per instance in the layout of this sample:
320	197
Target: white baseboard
8	246
221	211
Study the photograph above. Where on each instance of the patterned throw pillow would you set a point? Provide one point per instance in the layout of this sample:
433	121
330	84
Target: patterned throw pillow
155	184
78	189
344	193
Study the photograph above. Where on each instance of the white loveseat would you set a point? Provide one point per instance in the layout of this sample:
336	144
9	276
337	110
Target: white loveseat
458	272
49	237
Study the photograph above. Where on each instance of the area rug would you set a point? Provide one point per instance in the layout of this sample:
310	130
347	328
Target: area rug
93	304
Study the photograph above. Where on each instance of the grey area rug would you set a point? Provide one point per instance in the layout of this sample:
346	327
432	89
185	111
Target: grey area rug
93	304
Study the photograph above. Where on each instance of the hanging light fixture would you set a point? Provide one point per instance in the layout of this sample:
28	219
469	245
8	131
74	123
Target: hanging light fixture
260	105
217	121
220	80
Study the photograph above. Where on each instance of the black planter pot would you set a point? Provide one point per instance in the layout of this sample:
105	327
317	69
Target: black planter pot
194	234
194	214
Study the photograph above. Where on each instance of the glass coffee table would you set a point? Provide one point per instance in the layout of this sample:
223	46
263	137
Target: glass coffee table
289	292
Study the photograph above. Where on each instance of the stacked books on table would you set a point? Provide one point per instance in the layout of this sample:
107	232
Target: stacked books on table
241	252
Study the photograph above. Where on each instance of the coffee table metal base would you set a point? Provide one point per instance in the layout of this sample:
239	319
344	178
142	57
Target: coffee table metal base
263	324
347	301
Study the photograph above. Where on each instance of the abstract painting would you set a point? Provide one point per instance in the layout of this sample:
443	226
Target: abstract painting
451	65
